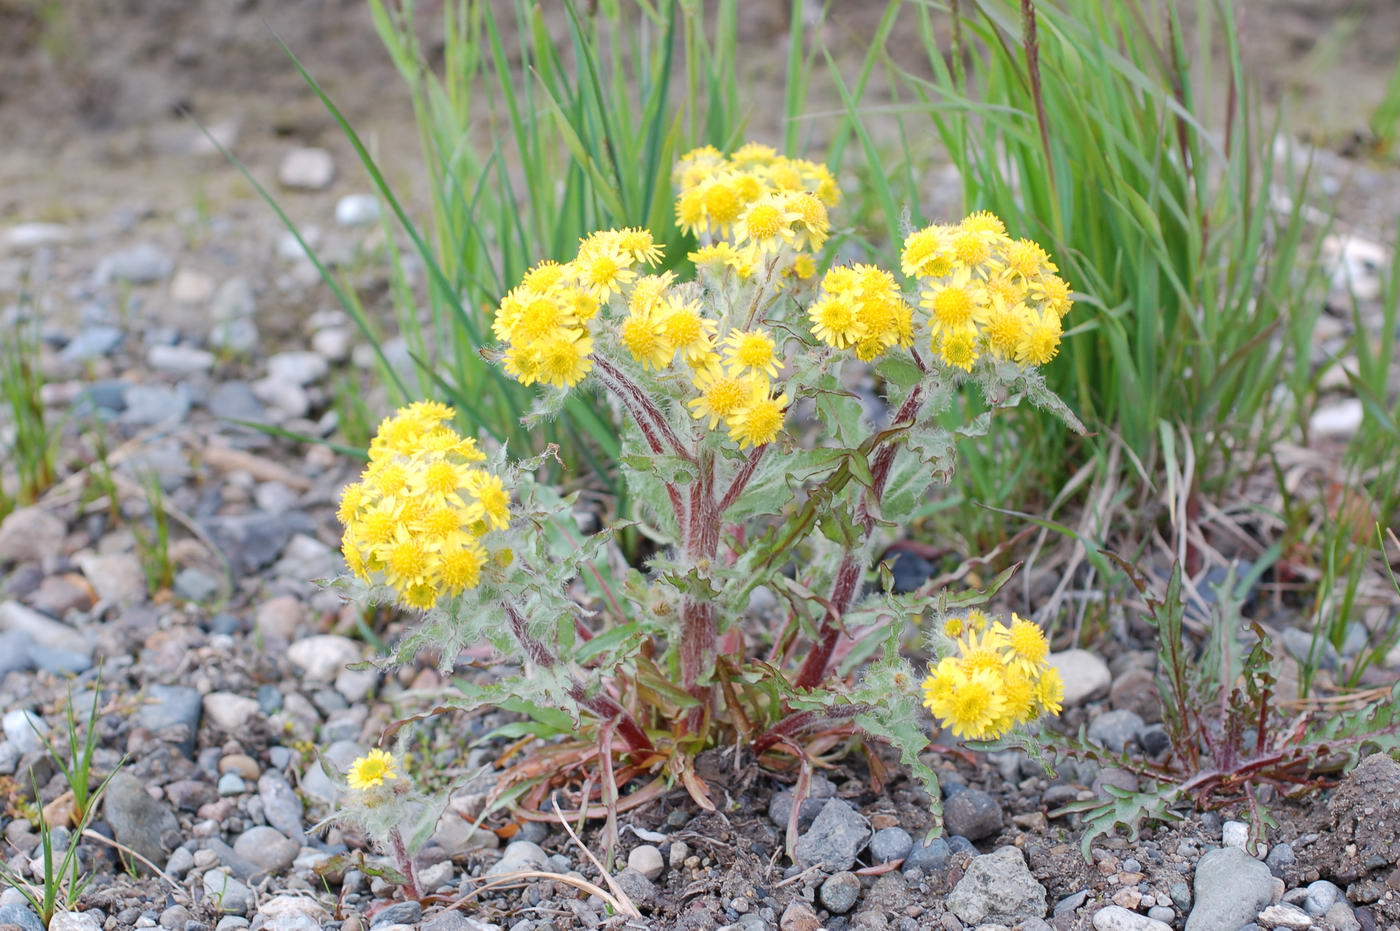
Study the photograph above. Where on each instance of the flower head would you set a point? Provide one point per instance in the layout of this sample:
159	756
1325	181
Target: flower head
371	770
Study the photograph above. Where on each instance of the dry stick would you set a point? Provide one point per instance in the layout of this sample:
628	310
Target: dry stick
93	835
624	901
509	879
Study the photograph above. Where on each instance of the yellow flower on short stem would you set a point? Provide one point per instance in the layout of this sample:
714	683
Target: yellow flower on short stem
371	770
721	394
1026	645
751	351
757	423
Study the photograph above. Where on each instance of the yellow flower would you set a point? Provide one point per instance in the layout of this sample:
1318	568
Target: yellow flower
810	221
958	348
544	276
836	321
751	351
926	253
767	224
643	336
1054	292
721	394
460	564
1005	326
958	304
753	153
492	500
639	245
1026	645
1040	339
1049	691
969	704
718	256
352	498
648	292
1024	259
562	360
371	770
804	266
602	268
757	423
687	332
953	626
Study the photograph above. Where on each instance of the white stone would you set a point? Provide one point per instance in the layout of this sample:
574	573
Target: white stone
308	169
1355	265
25	730
288	397
1118	918
1339	420
190	287
298	368
117	578
1234	834
228	711
646	859
357	210
1285	916
333	343
181	360
1084	674
74	921
289	249
44	630
321	658
33	235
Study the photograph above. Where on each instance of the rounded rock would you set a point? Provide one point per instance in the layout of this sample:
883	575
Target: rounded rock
646	859
1115	730
839	892
1118	918
972	814
889	844
1084	674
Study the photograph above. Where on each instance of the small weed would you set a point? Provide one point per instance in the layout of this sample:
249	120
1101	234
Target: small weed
77	766
31	439
154	544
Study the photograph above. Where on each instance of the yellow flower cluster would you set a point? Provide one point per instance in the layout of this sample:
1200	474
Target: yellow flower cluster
999	678
415	519
986	293
544	320
754	204
861	307
371	771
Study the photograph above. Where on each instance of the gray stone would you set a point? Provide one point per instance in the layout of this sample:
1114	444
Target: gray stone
227	893
435	876
31	534
402	913
25	730
839	892
230	712
267	848
456	921
196	585
23	236
892	843
254	541
140	264
1231	888
41	629
92	342
1118	918
1280	859
1234	834
16	652
333	343
357	210
231	923
1342	918
835	837
234	400
175	917
117	578
137	820
180	862
307	169
1306	649
1322	895
520	855
638	888
646	859
297	368
930	858
231	784
972	814
1163	913
147	405
171	705
20	915
179	359
454	835
998	887
60	662
281	807
1116	730
1084	674
780	809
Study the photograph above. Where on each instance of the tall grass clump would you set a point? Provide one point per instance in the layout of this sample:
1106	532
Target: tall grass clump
1133	146
28	442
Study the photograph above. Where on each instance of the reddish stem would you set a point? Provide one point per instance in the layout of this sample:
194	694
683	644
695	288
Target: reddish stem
405	864
627	388
644	421
741	479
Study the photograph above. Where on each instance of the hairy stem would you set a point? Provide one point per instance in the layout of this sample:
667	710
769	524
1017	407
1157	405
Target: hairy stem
626	388
405	864
805	720
701	546
741	479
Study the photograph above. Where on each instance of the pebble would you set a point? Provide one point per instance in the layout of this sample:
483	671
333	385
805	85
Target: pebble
140	264
1280	859
439	874
191	286
406	913
892	843
23	236
1085	675
74	921
1163	913
170	706
41	629
240	763
1338	420
1285	916
972	814
229	712
455	836
234	400
520	855
231	784
227	892
1342	918
930	858
147	405
281	807
1231	888
998	887
25	730
357	210
21	916
1115	730
92	342
640	889
307	169
646	859
267	848
1234	834
837	834
137	820
179	359
297	368
181	862
1118	918
333	343
839	892
1322	895
1306	649
30	533
322	657
798	916
233	324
